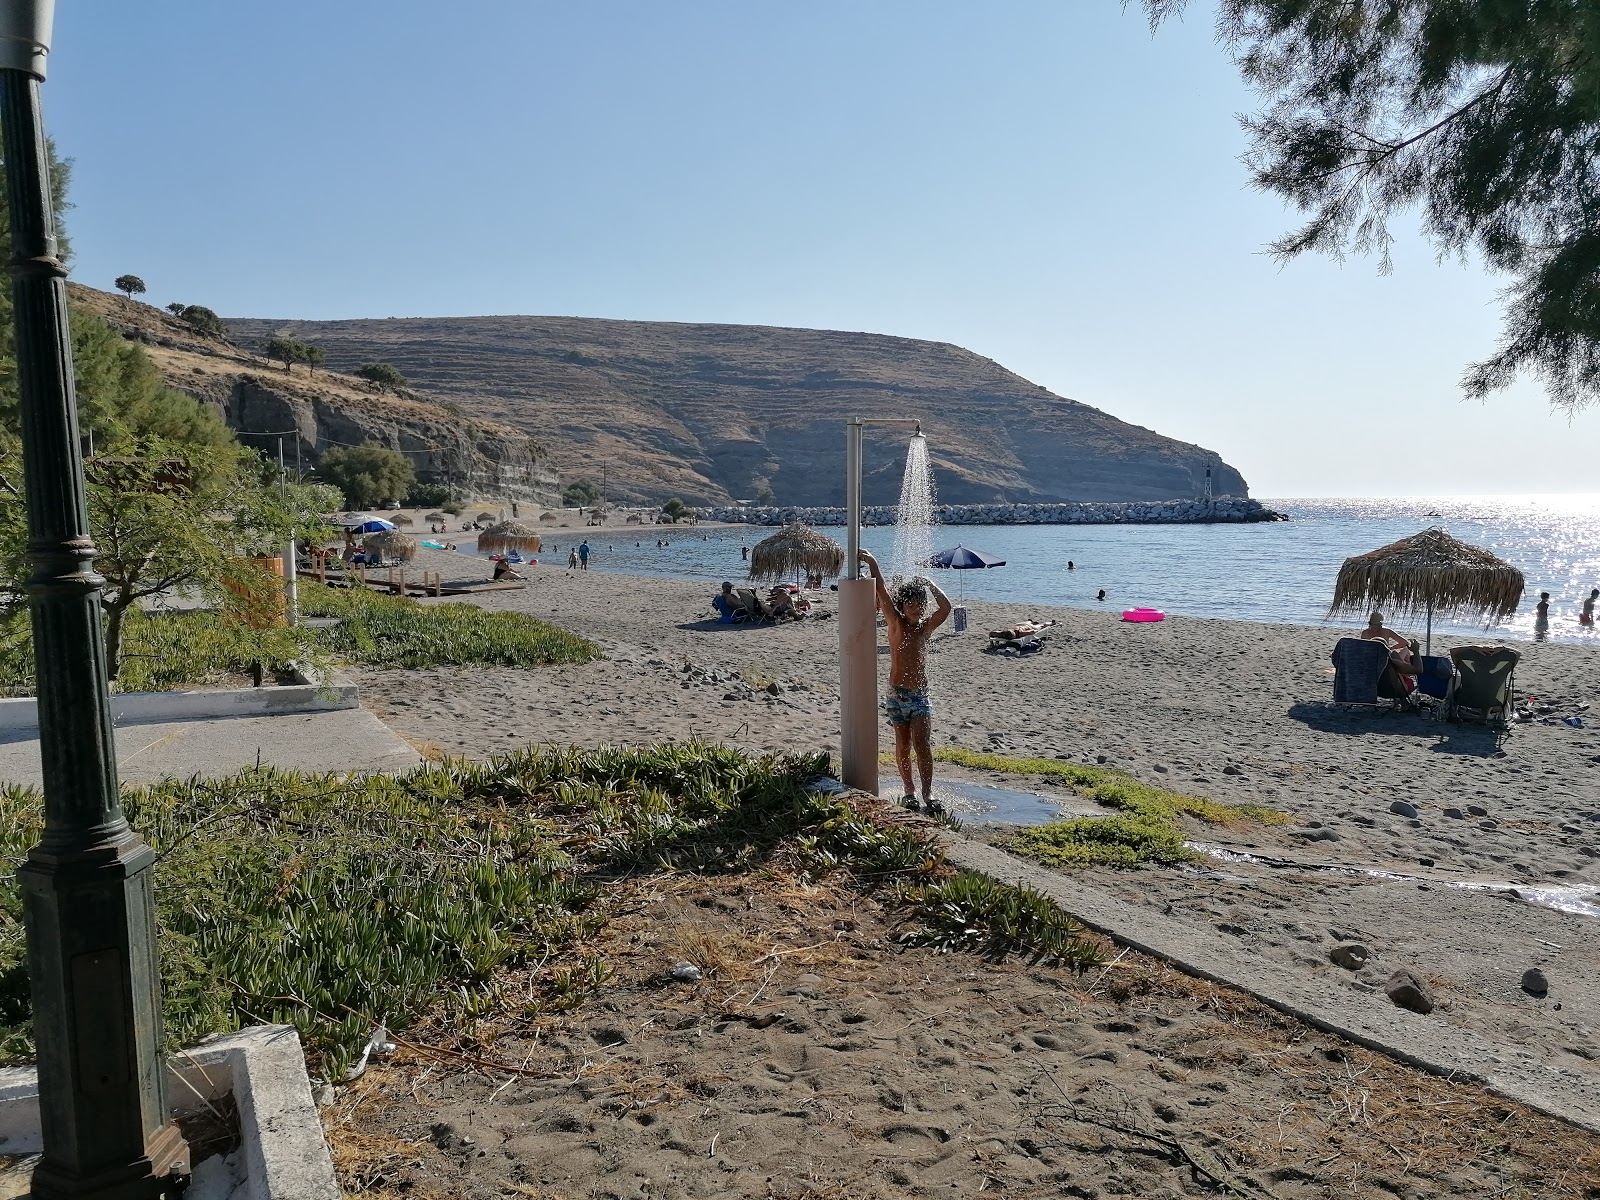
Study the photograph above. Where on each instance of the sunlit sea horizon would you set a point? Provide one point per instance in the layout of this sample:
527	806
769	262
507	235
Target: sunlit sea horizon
1274	572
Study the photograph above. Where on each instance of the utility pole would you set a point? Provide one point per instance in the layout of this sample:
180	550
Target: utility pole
87	893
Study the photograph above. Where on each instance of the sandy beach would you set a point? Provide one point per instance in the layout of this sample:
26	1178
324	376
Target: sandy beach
1231	711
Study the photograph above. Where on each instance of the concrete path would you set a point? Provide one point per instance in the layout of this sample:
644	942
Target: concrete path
342	740
1370	1021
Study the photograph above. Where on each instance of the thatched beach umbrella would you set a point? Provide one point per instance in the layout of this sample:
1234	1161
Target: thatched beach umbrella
548	518
390	543
402	519
482	517
436	516
1429	572
795	550
510	535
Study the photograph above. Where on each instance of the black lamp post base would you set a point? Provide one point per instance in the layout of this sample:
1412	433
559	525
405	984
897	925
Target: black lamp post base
162	1171
92	956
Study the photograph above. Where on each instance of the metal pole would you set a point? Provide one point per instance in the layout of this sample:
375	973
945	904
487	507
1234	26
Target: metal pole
87	896
858	640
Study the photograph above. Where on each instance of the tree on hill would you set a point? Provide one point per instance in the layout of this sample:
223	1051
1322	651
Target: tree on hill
121	395
286	350
203	320
367	475
381	375
176	309
313	357
675	509
581	493
1483	116
129	285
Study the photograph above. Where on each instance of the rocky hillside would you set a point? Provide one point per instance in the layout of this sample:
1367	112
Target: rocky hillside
478	459
717	412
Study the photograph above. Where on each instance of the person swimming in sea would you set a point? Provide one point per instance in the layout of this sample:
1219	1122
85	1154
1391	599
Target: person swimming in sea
1101	595
907	706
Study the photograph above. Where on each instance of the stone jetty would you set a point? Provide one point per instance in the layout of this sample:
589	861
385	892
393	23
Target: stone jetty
1231	510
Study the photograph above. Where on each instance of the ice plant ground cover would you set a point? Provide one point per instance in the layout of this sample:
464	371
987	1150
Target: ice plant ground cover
470	894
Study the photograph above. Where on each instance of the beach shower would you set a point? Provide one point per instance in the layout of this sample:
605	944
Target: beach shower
858	605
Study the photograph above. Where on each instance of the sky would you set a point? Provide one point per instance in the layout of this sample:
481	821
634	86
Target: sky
1044	182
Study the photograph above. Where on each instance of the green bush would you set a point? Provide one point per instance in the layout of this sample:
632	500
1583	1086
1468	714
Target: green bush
454	507
393	631
167	650
428	495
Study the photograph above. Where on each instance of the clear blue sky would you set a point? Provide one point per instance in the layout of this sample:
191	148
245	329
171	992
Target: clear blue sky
1042	182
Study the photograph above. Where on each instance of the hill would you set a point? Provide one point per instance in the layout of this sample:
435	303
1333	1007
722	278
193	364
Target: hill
716	412
311	413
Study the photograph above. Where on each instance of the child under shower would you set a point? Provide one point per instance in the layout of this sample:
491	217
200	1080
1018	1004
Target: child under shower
907	705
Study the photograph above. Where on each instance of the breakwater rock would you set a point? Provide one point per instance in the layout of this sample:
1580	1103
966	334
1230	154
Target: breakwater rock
1224	510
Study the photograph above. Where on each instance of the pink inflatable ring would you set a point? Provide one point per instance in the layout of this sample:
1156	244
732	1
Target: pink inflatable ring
1144	614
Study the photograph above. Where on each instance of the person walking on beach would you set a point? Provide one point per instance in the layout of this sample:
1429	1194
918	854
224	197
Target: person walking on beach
907	706
1586	617
572	560
583	555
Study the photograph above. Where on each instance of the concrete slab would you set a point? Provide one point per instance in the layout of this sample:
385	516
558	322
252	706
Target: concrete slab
1370	1021
342	740
282	1153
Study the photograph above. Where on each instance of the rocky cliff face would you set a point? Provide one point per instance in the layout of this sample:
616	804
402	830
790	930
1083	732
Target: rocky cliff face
262	403
713	413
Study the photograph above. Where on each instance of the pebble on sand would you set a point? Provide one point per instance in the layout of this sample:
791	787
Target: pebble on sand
1535	983
1409	992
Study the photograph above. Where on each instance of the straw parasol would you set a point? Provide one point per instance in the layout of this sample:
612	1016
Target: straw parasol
797	550
390	543
482	517
1429	572
548	518
436	516
402	519
510	535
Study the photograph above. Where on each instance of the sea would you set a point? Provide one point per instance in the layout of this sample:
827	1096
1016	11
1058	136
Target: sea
1281	571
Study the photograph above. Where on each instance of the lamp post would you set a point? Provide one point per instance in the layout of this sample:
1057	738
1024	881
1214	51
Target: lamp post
858	630
86	887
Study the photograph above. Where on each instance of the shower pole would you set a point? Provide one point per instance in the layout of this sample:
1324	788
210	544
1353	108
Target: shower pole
858	629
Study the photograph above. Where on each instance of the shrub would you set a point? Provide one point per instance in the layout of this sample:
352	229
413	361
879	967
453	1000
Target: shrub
395	631
428	495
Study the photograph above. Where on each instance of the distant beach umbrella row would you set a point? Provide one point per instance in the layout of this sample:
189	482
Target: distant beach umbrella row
797	550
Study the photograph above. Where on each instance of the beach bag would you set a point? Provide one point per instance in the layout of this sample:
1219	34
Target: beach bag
959	618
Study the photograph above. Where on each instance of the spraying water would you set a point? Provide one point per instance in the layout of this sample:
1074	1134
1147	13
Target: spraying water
914	522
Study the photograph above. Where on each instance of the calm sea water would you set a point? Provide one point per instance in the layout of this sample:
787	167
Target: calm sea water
1283	571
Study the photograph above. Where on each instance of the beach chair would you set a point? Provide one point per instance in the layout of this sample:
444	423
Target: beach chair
1484	685
1358	665
1437	675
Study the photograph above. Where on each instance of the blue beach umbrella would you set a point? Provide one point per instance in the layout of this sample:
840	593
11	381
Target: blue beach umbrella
365	524
962	558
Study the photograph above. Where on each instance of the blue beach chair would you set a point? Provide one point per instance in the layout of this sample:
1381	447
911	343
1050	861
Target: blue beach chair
1438	673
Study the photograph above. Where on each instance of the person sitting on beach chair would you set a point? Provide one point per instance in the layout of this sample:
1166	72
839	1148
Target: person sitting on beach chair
782	605
1399	678
726	602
